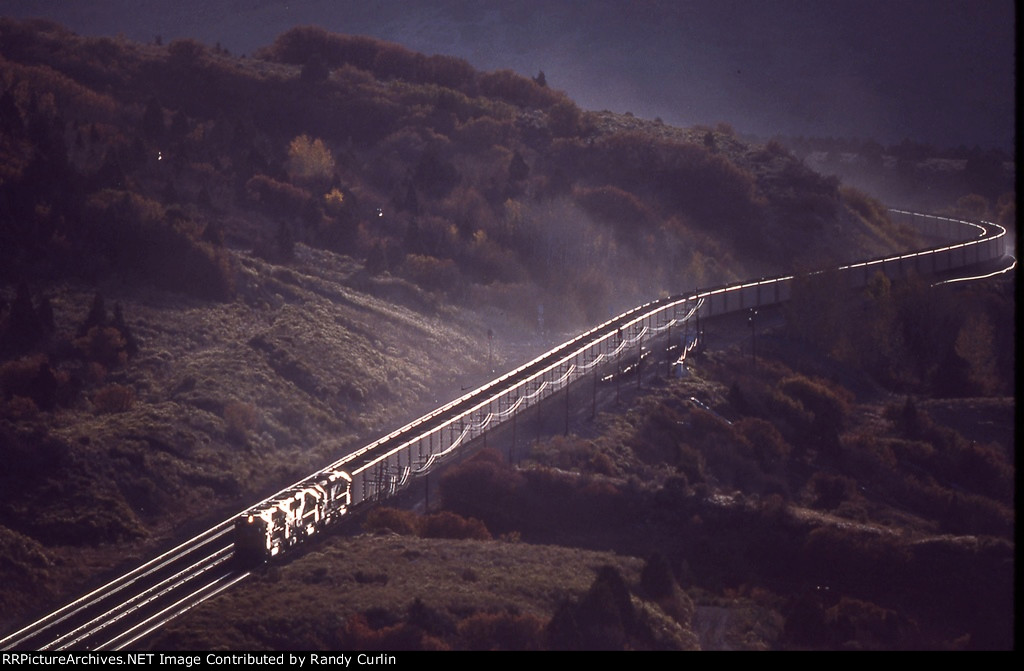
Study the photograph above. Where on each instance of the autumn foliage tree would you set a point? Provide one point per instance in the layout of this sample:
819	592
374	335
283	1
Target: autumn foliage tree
310	162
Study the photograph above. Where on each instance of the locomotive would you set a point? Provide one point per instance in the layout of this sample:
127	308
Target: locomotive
267	530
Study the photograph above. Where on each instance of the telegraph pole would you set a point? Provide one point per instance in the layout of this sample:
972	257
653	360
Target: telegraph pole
752	323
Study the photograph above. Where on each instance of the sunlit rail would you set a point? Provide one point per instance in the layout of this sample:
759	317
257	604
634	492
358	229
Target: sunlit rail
387	465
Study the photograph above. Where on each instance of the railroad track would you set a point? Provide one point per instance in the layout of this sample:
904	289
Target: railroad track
120	613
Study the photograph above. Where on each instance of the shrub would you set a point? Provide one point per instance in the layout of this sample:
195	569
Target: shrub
103	345
16	376
19	408
431	273
657	579
279	198
434	175
831	490
403	522
867	207
863	624
770	448
612	205
447	524
141	241
827	408
565	118
501	631
484	487
431	620
186	53
241	418
357	634
516	89
485	132
113	398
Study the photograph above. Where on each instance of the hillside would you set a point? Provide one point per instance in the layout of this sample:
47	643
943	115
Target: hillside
780	510
219	273
479	186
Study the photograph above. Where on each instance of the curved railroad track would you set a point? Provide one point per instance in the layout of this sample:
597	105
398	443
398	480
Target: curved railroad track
126	609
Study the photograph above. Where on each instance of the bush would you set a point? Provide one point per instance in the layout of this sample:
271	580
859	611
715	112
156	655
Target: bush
113	398
19	408
16	376
657	579
431	273
186	53
829	491
402	522
830	407
357	634
501	631
770	448
279	198
140	241
867	207
619	208
486	488
103	345
516	89
824	411
447	524
241	418
565	118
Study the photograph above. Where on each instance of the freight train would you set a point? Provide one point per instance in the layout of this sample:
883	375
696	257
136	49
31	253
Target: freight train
385	466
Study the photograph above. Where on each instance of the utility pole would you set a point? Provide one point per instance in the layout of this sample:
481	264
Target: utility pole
567	403
490	349
752	323
512	448
639	358
668	346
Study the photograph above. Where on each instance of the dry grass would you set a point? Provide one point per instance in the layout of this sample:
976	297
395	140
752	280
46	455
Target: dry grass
227	401
384	574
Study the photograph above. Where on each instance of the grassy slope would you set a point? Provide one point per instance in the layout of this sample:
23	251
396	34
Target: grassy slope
867	568
305	604
332	370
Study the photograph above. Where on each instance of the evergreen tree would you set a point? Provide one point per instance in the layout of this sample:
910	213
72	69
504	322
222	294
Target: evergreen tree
97	316
285	240
413	238
43	388
563	632
518	170
605	615
153	120
45	315
131	345
24	329
657	578
10	117
376	259
315	70
411	203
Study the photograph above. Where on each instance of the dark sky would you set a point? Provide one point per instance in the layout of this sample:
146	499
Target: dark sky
937	71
